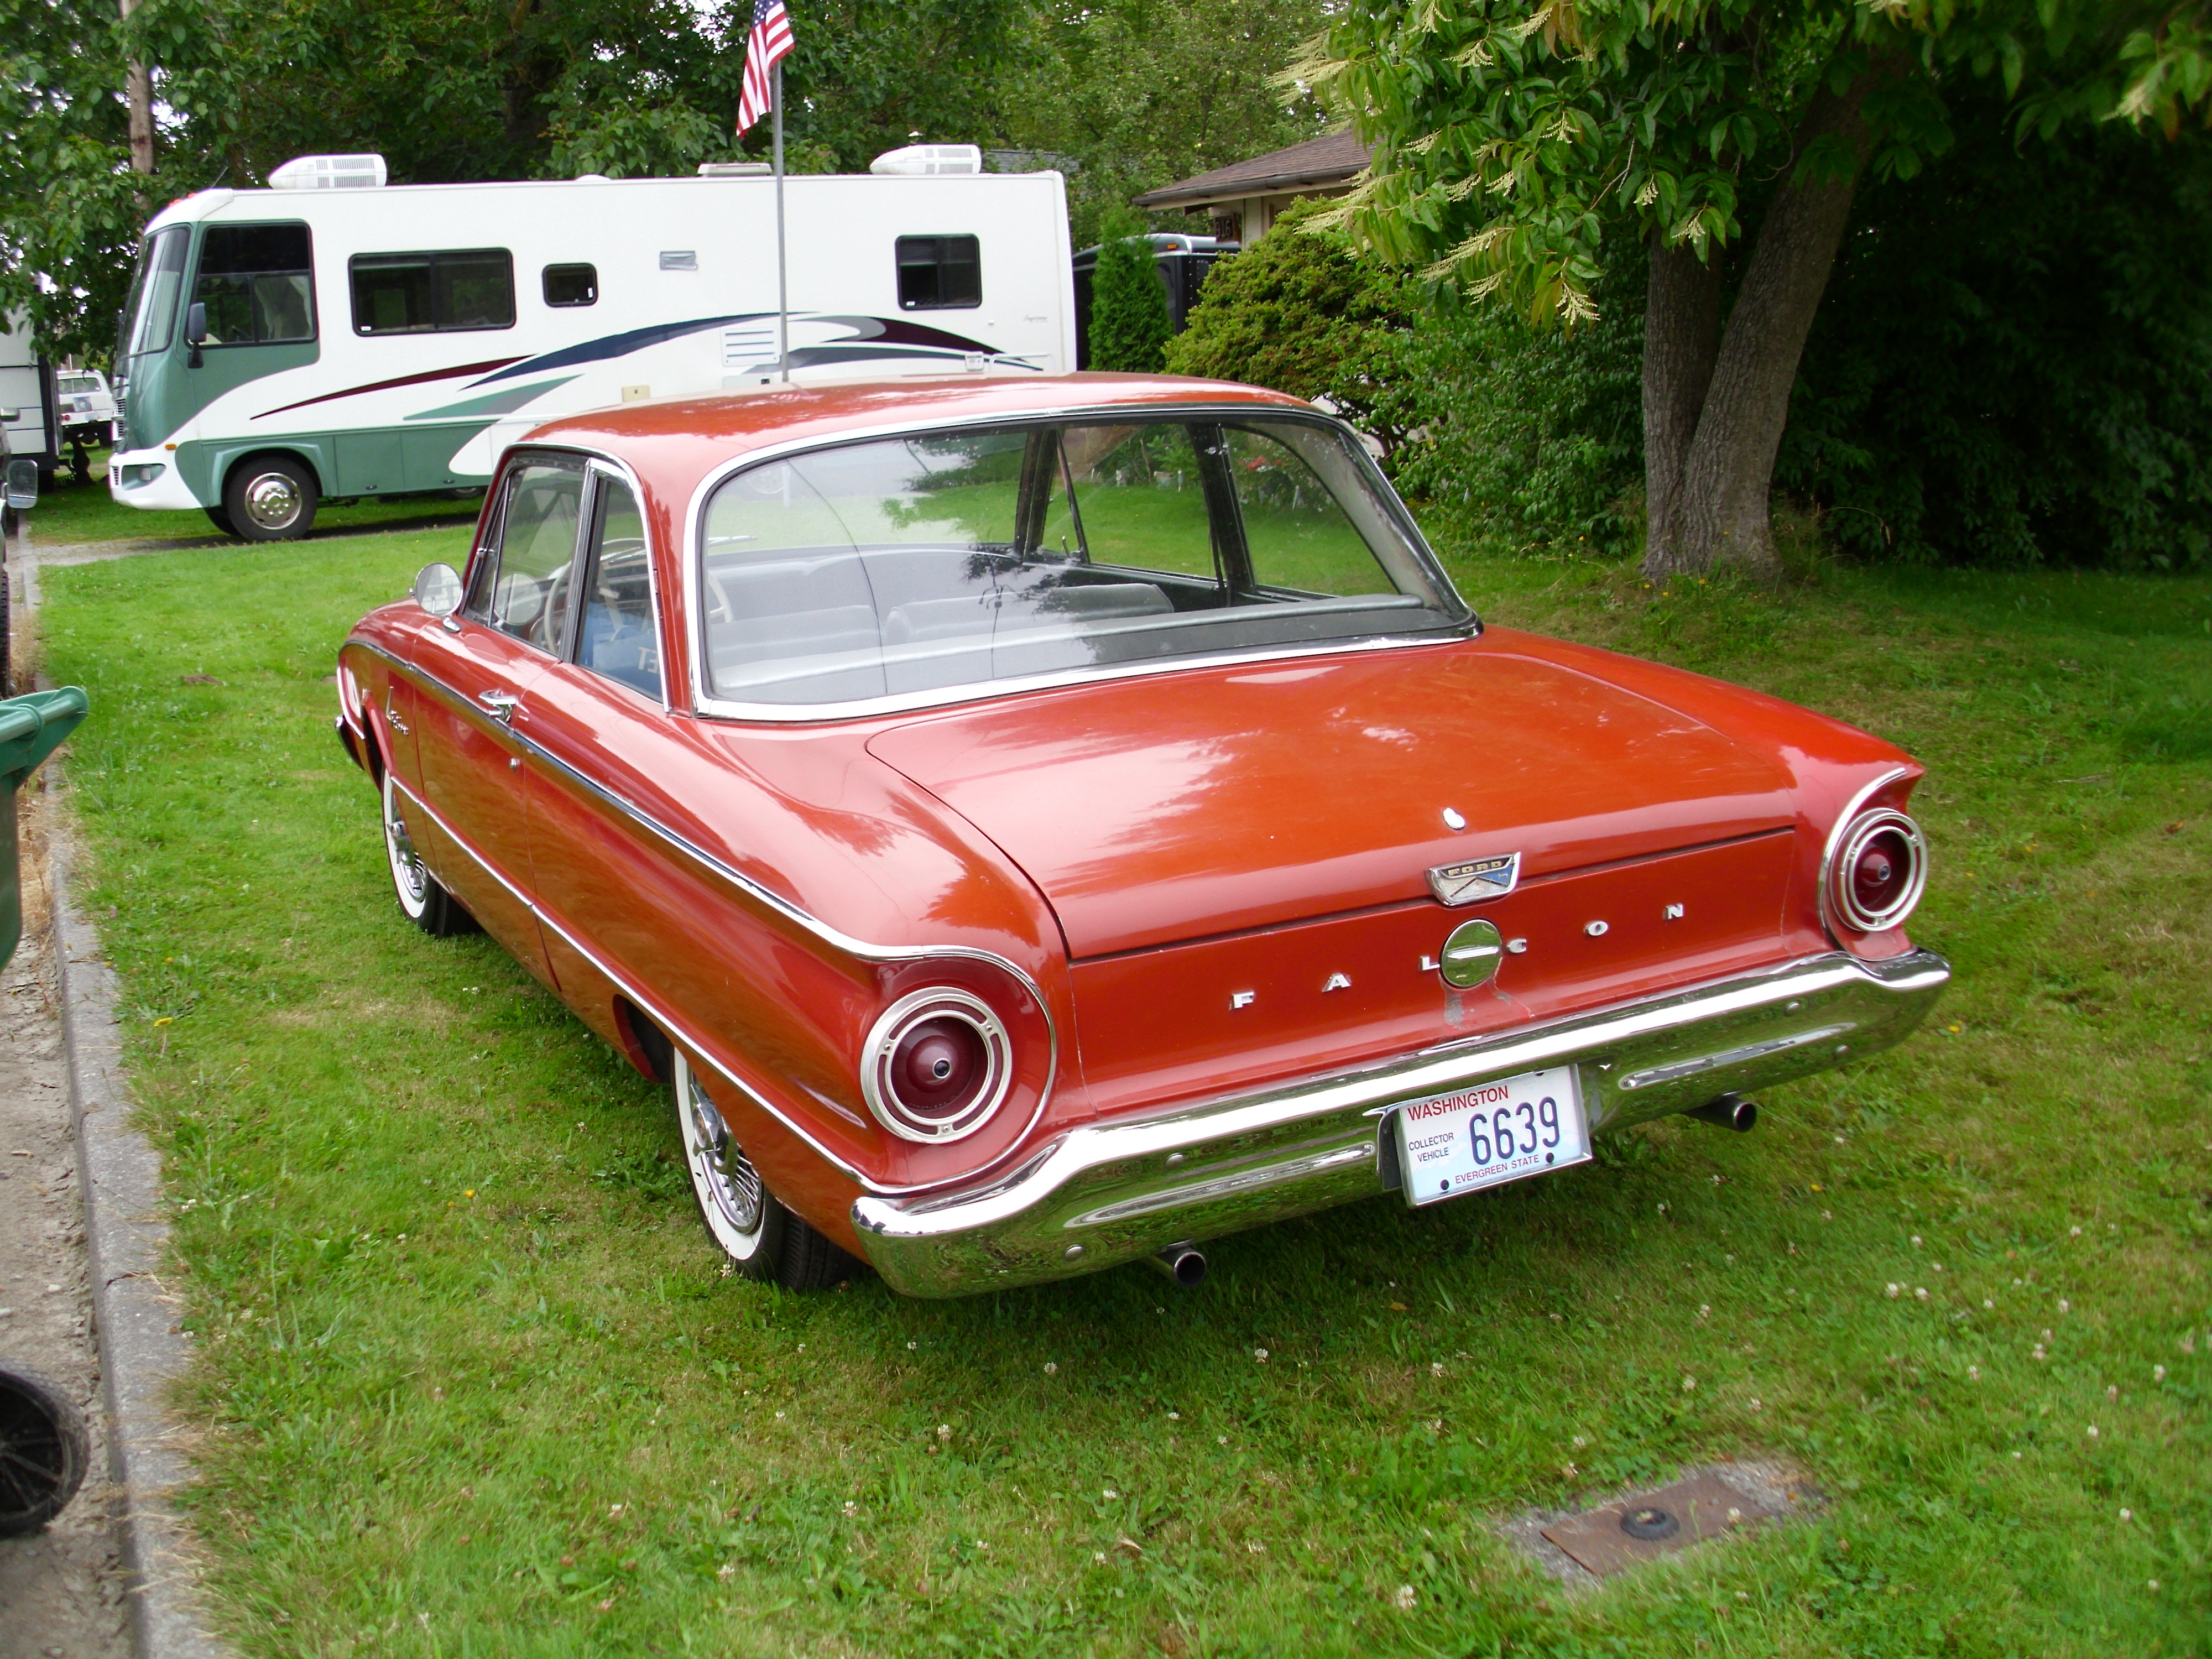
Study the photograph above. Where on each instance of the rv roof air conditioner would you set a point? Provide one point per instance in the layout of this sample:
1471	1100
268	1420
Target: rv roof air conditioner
916	160
328	172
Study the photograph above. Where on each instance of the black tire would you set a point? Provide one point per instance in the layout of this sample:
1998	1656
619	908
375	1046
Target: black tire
755	1234
272	498
423	901
221	520
44	1451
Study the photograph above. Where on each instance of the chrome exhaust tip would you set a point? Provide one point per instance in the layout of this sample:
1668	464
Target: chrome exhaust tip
1183	1263
1730	1112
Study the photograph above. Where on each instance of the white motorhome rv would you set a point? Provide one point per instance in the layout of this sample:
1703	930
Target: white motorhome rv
344	337
26	397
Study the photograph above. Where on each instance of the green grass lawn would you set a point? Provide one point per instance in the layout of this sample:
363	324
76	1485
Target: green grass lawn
72	513
471	1384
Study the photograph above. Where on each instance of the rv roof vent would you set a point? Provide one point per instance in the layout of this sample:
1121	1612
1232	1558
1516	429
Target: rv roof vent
328	172
733	169
918	159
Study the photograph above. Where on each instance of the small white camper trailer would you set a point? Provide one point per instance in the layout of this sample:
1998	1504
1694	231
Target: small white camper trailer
333	336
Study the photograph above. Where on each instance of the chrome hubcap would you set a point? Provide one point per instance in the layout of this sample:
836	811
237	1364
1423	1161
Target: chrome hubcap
406	865
721	1169
272	500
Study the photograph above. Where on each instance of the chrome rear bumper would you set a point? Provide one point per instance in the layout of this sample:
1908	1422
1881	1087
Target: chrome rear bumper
1108	1193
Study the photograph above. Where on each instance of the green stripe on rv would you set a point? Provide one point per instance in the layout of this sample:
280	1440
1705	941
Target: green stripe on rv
383	460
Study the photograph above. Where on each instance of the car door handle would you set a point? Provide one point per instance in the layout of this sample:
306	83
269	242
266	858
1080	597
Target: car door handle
501	703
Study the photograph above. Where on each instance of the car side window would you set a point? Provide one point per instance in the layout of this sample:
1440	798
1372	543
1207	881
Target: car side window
620	637
525	586
1297	532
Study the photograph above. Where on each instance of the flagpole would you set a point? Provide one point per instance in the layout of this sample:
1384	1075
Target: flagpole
782	291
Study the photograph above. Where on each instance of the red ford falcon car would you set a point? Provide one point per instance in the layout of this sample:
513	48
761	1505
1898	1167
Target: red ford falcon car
1034	825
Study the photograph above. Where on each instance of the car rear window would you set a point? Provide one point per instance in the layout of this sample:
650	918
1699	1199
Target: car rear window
944	561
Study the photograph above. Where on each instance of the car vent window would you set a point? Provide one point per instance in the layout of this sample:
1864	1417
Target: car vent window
525	586
939	273
899	567
619	636
437	293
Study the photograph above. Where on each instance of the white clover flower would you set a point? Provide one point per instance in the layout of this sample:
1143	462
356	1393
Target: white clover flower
1109	1494
2111	1391
1579	1441
2127	1515
1260	1354
1755	1404
1254	1546
944	1431
1174	1417
1916	1241
1405	1598
1895	1288
2092	1431
1436	1368
1051	1368
1973	1373
726	1571
2158	1373
1689	1385
1221	1439
1989	1302
911	1346
2074	1232
851	1507
1920	1291
1099	1557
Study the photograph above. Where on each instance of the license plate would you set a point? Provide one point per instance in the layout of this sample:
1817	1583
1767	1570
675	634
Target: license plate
1493	1131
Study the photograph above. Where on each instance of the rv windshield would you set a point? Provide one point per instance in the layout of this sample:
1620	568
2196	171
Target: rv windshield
971	556
152	311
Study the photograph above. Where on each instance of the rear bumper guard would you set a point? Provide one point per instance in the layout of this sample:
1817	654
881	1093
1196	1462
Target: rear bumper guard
1112	1192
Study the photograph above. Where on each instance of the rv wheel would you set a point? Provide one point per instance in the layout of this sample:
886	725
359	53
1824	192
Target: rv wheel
272	498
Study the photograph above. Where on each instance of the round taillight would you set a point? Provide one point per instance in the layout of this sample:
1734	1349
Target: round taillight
936	1065
1877	872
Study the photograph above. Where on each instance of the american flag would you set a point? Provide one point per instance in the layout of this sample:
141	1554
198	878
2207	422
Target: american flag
765	46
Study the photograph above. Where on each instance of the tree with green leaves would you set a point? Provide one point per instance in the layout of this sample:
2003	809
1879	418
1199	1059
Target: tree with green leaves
1129	321
1729	137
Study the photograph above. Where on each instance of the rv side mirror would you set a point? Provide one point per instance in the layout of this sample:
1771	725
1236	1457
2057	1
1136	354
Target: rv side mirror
196	323
22	485
438	589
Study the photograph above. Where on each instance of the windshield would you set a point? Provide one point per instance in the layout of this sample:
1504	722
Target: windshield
979	555
70	384
152	311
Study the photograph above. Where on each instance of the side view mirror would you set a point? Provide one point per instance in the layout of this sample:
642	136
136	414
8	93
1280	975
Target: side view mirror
438	589
22	485
195	322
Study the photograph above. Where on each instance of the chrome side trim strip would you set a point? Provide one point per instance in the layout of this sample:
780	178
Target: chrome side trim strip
677	1029
674	1027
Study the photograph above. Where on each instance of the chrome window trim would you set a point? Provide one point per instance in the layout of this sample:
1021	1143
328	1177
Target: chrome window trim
1834	843
769	899
596	467
711	708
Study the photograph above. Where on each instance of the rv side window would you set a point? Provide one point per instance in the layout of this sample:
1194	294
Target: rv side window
433	293
572	285
258	282
939	273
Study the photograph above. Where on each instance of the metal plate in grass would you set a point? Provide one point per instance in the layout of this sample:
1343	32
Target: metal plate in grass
1644	1526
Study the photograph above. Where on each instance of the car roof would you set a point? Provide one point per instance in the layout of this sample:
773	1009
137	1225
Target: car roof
674	442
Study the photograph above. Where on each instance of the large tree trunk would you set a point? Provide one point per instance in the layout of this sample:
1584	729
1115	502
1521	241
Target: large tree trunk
138	99
1720	511
1681	337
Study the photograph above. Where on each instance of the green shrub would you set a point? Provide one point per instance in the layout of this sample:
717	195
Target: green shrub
1300	311
1129	323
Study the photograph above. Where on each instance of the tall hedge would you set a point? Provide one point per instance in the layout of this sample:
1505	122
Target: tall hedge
1129	321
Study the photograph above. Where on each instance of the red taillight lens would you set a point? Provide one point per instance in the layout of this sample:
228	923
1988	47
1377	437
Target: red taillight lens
936	1065
1877	869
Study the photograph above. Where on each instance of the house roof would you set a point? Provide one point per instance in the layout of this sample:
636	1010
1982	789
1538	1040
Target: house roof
1334	159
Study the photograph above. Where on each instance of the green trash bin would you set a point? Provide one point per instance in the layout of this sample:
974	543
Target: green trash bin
31	728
